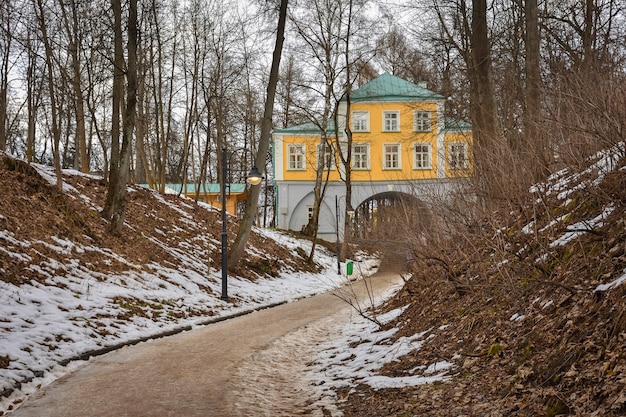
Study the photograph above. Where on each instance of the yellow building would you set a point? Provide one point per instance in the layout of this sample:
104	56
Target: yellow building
401	142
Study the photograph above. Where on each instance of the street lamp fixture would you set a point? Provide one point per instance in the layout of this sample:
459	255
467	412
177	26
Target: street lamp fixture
254	177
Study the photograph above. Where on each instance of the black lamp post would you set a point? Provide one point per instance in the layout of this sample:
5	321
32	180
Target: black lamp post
254	177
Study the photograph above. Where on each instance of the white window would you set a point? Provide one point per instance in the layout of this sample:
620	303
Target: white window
361	156
457	156
421	121
391	121
391	155
422	156
326	154
360	121
296	156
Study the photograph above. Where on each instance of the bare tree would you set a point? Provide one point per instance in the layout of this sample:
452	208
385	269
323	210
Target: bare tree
319	24
33	95
535	145
396	56
245	225
6	37
56	131
115	204
192	87
344	150
290	85
74	36
483	104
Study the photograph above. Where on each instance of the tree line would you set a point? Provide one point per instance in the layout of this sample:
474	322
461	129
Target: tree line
155	89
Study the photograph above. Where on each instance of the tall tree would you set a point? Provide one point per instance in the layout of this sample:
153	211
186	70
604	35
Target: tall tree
49	59
396	56
115	204
5	53
345	150
74	36
245	225
483	104
535	146
33	95
320	25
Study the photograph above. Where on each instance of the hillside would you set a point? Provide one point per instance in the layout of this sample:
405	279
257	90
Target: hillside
521	315
69	289
529	307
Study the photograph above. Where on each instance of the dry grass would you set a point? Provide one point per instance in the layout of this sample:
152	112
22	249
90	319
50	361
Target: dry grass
563	356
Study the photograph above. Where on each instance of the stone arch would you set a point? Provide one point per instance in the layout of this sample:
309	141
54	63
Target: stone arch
390	216
299	215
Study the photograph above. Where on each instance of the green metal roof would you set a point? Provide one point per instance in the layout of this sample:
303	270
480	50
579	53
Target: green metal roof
211	188
453	125
387	87
307	128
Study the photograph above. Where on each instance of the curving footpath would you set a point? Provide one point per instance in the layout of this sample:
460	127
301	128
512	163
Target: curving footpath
192	373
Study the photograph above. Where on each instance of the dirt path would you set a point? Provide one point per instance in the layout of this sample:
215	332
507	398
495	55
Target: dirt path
244	366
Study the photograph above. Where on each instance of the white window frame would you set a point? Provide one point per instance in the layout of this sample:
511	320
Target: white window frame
391	124
422	121
360	121
365	160
398	156
295	159
455	156
424	158
329	164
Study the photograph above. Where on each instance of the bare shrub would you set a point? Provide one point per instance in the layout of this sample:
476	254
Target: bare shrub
587	113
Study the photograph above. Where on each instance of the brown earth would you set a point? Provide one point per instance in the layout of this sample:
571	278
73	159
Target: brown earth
35	210
520	318
565	356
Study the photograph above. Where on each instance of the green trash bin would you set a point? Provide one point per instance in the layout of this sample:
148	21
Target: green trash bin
349	268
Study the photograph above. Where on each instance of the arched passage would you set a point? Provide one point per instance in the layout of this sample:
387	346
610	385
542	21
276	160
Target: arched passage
303	209
392	217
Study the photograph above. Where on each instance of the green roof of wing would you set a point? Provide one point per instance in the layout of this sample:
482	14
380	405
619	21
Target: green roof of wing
387	87
453	125
305	128
210	188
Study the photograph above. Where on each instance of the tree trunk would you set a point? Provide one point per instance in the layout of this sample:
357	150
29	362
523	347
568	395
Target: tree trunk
245	226
7	36
118	88
56	131
33	94
115	204
144	172
347	158
535	151
483	106
80	139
